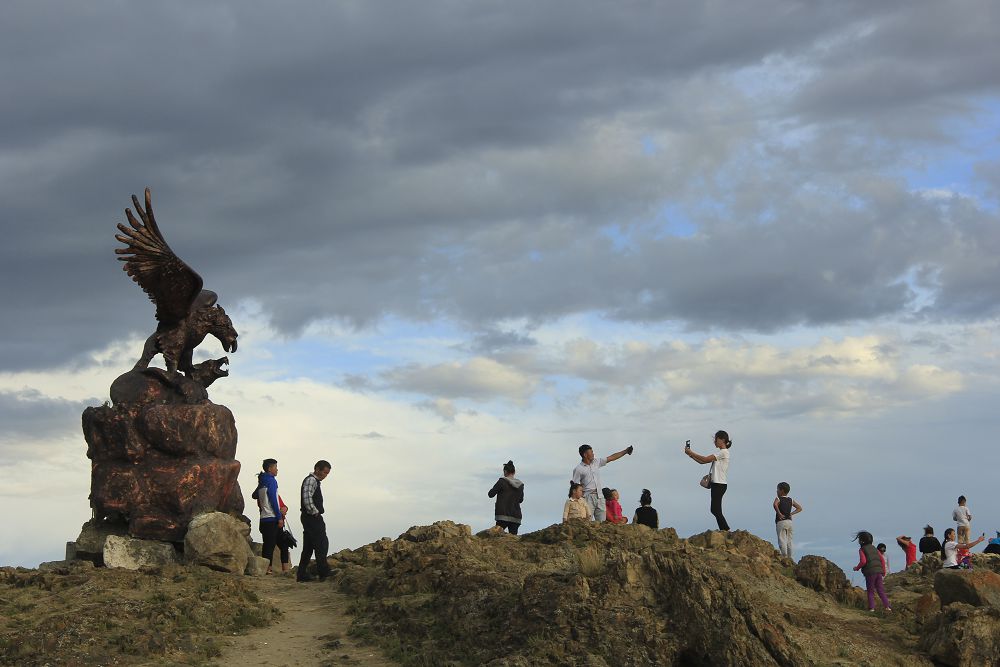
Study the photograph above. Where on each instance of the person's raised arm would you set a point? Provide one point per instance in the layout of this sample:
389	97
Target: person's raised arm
618	455
902	541
699	458
972	544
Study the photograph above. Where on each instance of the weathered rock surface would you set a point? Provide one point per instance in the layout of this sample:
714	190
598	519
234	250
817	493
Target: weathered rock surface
974	587
257	566
161	454
93	534
218	541
964	636
135	554
598	594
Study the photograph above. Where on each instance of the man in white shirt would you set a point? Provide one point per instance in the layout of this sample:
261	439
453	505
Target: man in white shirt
963	520
588	474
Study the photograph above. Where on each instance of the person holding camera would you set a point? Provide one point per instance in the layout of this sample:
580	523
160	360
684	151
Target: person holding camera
718	475
588	474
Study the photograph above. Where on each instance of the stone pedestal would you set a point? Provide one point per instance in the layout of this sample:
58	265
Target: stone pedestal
161	453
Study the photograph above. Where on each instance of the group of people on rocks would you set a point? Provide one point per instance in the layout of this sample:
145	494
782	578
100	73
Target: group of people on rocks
590	500
955	552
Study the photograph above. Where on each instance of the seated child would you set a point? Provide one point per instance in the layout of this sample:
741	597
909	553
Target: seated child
612	507
576	507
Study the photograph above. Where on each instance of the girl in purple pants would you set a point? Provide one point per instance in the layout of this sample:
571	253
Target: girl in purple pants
872	565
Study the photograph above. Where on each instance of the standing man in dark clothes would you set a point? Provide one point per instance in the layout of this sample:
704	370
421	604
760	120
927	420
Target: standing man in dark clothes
928	543
313	527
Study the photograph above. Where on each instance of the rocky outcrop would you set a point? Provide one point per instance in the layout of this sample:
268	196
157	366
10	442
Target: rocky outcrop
964	636
161	454
599	594
220	542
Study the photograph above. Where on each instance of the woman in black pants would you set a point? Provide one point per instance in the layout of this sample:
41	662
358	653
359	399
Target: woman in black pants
719	473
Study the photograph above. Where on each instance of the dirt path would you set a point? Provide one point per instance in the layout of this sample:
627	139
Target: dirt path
312	632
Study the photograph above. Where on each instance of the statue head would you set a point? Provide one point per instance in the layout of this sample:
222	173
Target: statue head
214	320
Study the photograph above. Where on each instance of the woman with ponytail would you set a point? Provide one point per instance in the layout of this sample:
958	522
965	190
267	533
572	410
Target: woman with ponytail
644	514
718	476
509	492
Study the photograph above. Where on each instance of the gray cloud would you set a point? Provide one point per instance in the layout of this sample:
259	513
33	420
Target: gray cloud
487	162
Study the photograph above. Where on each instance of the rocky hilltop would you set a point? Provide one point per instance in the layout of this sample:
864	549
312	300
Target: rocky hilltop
598	594
585	594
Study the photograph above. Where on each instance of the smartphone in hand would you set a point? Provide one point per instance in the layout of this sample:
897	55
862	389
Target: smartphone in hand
687	444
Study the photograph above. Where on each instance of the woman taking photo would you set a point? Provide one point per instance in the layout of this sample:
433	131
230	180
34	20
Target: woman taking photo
718	474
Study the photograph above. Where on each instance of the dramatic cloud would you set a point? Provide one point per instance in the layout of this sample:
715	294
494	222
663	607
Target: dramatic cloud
716	165
455	233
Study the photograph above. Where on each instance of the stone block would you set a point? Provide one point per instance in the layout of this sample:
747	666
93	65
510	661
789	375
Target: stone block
257	566
133	554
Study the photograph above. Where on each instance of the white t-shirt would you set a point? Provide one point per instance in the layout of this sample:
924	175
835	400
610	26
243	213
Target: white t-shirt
950	554
720	467
589	475
961	515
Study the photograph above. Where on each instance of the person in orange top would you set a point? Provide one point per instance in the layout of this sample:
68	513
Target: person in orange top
612	507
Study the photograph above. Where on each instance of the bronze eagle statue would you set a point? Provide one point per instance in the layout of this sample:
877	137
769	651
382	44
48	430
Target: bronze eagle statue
186	313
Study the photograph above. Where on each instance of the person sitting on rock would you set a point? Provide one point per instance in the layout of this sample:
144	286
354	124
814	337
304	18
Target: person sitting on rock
576	507
509	492
612	507
909	549
951	548
646	515
993	547
928	543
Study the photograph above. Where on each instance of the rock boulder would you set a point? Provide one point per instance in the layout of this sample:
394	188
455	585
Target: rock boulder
821	575
978	588
219	541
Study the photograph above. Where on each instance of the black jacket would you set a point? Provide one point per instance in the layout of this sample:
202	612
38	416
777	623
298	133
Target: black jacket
510	494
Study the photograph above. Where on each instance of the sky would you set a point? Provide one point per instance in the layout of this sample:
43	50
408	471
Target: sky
452	234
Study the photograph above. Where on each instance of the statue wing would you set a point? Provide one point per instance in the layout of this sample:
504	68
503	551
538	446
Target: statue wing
171	284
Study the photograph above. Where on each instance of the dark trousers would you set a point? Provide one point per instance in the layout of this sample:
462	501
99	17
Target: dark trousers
719	490
509	525
314	541
269	532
